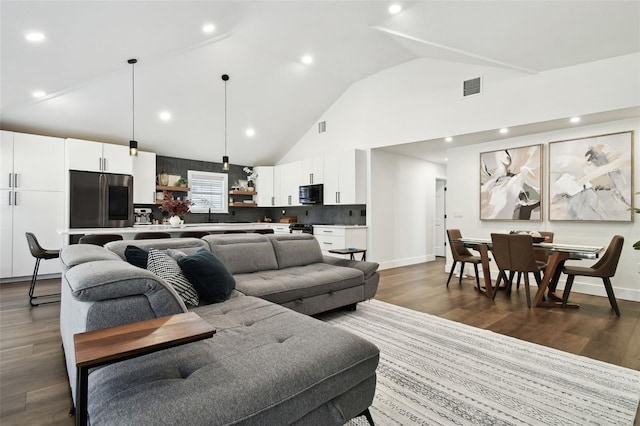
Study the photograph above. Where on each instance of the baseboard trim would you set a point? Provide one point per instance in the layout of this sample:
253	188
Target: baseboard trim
396	263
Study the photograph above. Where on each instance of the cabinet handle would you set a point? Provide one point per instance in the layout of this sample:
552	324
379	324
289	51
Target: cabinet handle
311	178
273	201
100	164
327	231
104	169
15	180
289	199
15	198
337	197
10	197
327	243
10	180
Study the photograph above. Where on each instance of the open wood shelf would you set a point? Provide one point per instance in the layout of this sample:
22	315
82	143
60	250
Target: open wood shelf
172	188
243	205
239	192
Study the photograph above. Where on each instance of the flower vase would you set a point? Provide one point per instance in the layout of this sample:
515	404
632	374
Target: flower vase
174	221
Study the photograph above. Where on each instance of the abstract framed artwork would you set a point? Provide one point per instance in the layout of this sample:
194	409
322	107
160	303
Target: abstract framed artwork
511	184
591	179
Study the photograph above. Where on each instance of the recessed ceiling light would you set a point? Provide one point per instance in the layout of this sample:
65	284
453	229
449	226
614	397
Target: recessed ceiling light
34	37
446	159
395	8
575	119
250	132
38	94
208	28
165	116
307	59
448	139
504	130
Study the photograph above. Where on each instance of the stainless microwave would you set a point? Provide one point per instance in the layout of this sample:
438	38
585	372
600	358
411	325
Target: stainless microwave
311	194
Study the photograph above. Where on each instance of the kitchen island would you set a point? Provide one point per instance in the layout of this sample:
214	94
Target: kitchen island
129	232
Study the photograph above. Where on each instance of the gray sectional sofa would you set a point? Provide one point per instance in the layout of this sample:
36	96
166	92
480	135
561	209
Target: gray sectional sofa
266	364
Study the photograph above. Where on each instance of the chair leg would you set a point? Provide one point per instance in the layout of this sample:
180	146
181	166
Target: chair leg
509	283
526	286
567	290
612	297
501	276
518	283
453	268
32	288
461	273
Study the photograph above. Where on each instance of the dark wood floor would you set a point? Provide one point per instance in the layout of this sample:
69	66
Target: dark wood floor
34	388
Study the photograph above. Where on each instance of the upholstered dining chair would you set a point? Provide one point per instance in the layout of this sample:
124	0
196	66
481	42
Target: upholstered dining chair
99	239
151	235
515	253
541	255
604	268
39	253
461	254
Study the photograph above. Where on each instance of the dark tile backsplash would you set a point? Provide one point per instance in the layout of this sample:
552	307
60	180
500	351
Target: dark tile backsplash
337	215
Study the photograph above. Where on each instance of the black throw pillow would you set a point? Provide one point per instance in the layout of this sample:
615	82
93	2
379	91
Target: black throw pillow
136	256
209	275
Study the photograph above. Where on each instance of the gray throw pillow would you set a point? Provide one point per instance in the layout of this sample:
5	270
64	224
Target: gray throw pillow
166	268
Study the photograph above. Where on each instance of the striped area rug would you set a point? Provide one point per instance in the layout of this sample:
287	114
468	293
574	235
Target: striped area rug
434	371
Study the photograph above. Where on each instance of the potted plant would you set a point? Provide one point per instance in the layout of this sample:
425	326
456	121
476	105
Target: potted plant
182	182
176	208
251	177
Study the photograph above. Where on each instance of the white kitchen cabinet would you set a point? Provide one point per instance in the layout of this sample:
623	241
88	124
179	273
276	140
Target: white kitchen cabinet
312	171
144	178
280	228
331	237
345	178
98	157
287	176
264	186
31	200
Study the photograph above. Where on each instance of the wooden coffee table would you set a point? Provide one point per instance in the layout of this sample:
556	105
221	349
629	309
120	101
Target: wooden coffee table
113	344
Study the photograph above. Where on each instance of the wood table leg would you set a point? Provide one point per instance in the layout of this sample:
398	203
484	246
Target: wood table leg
553	270
486	272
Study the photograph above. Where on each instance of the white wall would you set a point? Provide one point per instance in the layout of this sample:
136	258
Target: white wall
421	100
463	183
401	209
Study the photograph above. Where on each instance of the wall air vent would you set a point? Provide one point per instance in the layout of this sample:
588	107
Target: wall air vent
322	127
472	87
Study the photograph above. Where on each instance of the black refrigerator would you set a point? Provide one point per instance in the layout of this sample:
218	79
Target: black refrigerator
100	200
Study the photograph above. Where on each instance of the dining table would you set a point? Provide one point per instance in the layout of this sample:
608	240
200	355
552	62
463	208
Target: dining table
558	255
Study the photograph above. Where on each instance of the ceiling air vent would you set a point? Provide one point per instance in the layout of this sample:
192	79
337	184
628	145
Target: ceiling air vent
322	127
472	87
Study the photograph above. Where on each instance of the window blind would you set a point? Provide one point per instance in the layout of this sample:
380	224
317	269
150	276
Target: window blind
208	191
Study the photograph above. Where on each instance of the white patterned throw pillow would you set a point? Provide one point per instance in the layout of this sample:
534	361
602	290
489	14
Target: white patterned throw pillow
166	268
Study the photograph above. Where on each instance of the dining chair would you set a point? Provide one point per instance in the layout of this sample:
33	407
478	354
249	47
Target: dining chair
193	234
541	255
151	235
99	239
39	253
515	253
461	254
604	268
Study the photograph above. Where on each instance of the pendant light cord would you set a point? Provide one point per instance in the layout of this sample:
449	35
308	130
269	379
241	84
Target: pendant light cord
133	101
225	117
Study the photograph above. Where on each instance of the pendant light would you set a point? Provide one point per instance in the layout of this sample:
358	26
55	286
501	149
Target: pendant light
225	158
133	144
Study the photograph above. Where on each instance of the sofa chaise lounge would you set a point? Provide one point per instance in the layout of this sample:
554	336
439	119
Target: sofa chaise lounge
266	364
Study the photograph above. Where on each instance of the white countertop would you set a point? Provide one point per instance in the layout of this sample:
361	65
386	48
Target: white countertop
340	226
165	228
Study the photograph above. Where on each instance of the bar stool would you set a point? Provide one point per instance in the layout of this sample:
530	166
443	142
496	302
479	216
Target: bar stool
151	235
39	253
99	239
263	231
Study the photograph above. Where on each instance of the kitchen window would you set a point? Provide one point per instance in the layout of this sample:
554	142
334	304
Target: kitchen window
208	192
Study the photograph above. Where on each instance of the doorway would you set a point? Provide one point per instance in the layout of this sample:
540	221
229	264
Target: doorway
440	219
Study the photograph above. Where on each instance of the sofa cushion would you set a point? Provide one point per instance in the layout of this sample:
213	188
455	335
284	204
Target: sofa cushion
209	276
187	245
166	268
296	249
81	253
298	282
266	365
137	256
243	253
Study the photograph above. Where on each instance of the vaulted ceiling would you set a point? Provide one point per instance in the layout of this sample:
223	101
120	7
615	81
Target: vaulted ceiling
81	64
